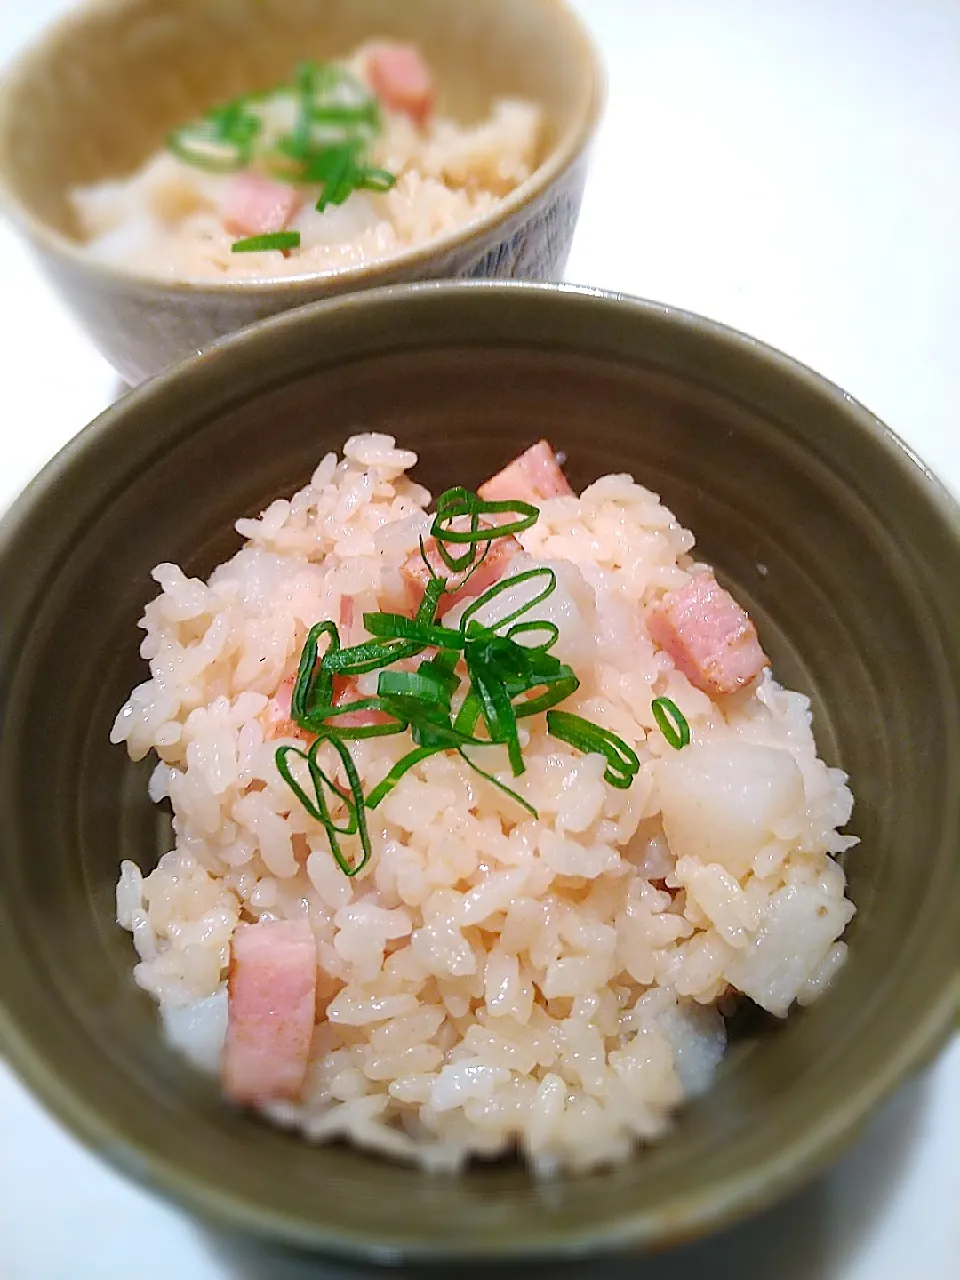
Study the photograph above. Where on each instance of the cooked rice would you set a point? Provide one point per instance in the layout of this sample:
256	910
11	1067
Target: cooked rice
166	219
490	981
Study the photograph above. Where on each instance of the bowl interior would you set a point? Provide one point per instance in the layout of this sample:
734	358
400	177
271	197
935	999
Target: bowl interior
100	93
847	554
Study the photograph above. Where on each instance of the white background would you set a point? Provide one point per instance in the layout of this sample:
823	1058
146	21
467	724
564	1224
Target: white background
789	167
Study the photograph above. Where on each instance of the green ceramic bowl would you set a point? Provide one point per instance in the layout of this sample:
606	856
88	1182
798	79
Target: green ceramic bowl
99	93
845	549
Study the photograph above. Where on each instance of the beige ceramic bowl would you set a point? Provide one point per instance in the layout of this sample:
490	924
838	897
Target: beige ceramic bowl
98	94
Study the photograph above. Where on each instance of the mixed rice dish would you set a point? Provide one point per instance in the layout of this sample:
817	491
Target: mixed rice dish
348	164
486	813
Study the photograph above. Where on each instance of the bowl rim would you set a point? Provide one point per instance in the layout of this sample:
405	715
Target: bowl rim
561	157
770	1176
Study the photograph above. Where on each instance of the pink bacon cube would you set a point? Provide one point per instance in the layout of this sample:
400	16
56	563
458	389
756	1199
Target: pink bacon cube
272	1006
258	206
533	477
416	574
710	638
402	80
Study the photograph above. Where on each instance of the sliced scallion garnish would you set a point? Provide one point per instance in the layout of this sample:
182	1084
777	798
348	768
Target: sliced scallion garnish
623	764
501	786
383	789
460	504
222	142
318	807
671	722
375	179
313	687
336	118
507	680
510	584
282	240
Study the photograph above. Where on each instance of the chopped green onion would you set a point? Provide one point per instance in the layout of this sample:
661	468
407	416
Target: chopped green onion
531	628
430	603
507	584
508	681
502	786
380	792
458	504
496	709
420	685
369	656
461	502
672	722
375	179
434	577
312	686
203	150
436	731
394	626
623	763
366	114
334	168
282	240
336	118
343	175
222	142
311	82
311	806
443	668
477	564
318	807
359	807
319	721
559	687
469	714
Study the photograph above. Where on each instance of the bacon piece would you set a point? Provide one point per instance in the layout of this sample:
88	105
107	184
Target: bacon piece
345	690
272	1009
258	206
278	722
709	637
416	575
533	477
347	612
276	719
402	80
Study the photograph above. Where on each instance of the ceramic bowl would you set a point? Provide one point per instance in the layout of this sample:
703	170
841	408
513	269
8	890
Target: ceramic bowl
845	550
100	92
